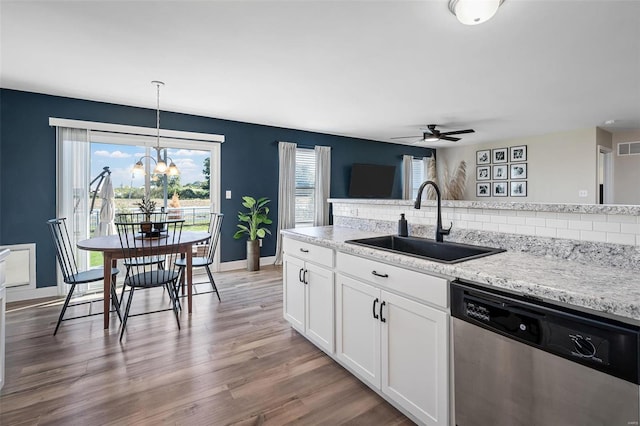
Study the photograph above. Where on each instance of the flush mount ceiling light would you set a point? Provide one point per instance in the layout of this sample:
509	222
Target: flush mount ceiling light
161	167
474	12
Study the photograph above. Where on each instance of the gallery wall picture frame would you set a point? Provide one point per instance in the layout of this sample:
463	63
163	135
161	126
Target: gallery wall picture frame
500	189
518	153
483	189
500	172
518	170
518	188
483	173
499	155
483	157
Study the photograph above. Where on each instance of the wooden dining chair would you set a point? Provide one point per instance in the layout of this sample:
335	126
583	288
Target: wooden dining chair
215	225
67	261
143	275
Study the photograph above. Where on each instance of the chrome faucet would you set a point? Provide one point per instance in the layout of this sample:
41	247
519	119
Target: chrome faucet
439	230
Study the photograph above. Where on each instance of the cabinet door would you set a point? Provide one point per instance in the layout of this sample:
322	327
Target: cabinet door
294	291
415	358
320	313
358	332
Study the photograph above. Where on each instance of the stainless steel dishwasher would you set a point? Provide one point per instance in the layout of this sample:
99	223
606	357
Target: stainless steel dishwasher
521	361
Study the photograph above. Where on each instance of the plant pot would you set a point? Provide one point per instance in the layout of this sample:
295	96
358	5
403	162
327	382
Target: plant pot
146	227
253	255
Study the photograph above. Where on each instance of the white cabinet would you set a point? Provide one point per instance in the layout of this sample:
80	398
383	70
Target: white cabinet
397	345
3	300
309	293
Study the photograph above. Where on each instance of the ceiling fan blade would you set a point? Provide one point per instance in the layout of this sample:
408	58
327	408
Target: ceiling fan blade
458	132
406	137
448	138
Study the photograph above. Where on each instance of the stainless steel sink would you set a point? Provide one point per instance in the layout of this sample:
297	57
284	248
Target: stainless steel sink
444	252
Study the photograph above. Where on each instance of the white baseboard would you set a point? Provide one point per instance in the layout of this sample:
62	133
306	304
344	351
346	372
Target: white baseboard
17	294
242	264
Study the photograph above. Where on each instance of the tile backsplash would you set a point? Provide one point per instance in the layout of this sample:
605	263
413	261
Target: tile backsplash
573	222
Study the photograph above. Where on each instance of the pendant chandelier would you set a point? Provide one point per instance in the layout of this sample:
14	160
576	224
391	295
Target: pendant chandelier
161	166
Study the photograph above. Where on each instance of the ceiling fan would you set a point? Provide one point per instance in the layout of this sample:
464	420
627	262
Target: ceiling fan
433	134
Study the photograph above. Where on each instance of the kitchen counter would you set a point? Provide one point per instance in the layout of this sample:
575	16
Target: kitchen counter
602	289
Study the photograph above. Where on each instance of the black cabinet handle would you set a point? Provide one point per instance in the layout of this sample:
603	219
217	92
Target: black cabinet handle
304	250
379	275
300	275
375	316
304	277
383	319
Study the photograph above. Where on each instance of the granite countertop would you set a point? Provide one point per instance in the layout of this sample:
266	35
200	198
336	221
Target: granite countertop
603	289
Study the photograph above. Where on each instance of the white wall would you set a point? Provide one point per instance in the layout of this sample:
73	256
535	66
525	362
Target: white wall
559	166
626	170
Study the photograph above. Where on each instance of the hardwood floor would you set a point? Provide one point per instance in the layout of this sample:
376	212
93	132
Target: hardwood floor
235	362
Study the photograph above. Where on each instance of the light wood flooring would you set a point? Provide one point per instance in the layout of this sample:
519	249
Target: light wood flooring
235	362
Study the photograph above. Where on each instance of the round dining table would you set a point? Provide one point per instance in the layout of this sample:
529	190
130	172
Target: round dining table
112	251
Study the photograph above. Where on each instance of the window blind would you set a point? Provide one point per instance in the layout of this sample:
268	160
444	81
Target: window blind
305	185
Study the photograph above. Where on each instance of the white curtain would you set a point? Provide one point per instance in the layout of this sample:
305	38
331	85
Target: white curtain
73	178
286	193
407	177
323	185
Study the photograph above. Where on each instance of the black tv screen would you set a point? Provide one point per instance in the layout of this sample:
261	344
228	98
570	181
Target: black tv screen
371	181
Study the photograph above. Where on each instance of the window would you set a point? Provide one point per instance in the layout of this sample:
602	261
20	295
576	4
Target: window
305	186
418	175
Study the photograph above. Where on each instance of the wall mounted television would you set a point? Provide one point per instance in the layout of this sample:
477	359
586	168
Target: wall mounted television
371	181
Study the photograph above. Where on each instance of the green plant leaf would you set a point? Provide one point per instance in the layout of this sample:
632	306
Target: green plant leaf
260	232
248	201
238	235
267	221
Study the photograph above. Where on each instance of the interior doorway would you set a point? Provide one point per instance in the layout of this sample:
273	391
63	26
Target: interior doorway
604	189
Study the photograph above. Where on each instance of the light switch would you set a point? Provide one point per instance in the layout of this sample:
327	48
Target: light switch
227	194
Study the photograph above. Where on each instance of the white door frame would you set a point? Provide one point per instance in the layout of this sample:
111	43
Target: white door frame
606	163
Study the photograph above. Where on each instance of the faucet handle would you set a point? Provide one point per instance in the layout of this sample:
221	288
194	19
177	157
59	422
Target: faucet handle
446	231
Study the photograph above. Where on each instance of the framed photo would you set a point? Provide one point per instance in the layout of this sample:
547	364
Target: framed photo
500	172
499	189
518	153
483	189
483	157
518	171
518	188
500	155
483	173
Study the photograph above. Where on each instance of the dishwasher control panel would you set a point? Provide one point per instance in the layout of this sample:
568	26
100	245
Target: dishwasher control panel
604	344
495	315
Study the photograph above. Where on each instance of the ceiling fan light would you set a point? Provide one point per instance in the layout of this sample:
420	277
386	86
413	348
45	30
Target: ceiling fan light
431	138
474	12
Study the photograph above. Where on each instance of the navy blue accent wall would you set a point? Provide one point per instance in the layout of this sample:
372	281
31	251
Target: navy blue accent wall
249	164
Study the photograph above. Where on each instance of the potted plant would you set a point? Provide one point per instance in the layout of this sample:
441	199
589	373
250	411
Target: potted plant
146	206
255	218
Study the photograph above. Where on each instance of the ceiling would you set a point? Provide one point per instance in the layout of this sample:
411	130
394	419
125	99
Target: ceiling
367	69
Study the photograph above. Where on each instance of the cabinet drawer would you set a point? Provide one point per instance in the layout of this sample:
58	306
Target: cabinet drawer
433	290
309	252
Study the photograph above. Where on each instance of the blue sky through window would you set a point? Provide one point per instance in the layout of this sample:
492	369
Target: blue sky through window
121	158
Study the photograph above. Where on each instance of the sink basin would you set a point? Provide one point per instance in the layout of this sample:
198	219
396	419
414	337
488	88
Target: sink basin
427	249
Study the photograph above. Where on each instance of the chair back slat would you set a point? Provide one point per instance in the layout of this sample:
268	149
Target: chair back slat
136	244
65	252
215	225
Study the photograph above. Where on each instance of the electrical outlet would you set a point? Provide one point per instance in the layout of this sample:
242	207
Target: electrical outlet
260	242
582	193
227	194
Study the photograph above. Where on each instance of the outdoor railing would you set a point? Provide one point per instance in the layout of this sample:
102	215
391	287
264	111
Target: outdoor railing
193	216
